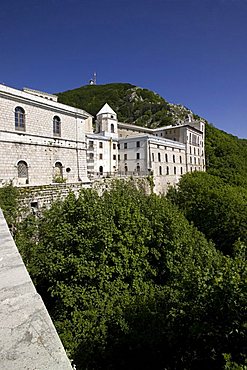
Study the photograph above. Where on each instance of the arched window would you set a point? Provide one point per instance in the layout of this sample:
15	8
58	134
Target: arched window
175	170
173	157
138	168
19	119
101	170
126	170
56	126
112	128
22	169
58	172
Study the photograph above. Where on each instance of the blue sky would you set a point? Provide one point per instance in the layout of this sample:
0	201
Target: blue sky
191	52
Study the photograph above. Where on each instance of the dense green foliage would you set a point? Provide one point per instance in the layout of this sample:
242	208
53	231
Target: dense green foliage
218	210
9	203
132	104
131	284
226	156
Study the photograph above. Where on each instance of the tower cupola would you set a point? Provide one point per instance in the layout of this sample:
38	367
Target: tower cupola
106	123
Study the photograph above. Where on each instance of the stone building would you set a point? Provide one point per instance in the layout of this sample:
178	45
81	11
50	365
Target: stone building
122	149
43	142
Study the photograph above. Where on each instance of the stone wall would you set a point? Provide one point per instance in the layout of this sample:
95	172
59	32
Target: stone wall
36	143
28	338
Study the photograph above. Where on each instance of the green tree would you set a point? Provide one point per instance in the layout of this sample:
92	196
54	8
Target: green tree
217	209
131	284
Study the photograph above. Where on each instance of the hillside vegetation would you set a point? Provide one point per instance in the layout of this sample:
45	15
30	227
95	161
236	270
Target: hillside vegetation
226	154
132	104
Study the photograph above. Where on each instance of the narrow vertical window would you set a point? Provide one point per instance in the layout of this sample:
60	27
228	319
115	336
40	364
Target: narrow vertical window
112	128
159	157
56	126
19	119
160	170
167	170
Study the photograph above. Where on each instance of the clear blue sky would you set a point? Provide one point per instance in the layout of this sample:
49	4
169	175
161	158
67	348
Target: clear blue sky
192	52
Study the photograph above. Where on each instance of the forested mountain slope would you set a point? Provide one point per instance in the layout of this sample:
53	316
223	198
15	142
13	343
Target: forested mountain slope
226	154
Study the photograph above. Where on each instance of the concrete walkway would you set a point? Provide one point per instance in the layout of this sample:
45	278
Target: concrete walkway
28	338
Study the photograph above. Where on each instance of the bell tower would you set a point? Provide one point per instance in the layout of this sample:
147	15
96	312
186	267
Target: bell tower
106	123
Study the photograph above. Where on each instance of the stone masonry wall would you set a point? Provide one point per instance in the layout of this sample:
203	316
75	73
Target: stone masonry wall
28	338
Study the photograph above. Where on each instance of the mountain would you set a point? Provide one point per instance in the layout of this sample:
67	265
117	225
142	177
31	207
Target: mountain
131	103
226	154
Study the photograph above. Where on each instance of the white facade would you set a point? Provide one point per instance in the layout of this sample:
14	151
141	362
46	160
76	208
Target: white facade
44	142
41	140
120	149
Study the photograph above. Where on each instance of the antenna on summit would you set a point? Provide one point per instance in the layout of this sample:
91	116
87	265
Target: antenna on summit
93	80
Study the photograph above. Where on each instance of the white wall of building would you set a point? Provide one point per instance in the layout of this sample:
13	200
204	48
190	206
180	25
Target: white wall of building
36	144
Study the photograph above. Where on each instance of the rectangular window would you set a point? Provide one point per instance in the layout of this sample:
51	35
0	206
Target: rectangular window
153	157
20	119
90	145
114	146
114	157
100	144
125	145
159	157
137	155
119	157
138	144
101	156
125	157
